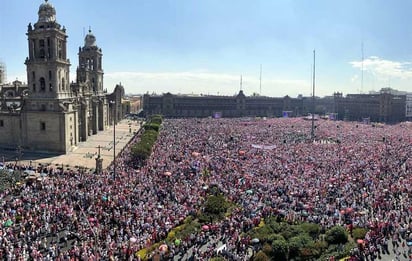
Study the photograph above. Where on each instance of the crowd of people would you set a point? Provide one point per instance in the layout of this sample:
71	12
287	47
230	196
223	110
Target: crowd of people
351	173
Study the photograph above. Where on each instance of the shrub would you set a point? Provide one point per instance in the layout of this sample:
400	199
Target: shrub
359	233
261	256
151	126
290	231
297	243
311	229
267	249
280	250
156	119
216	206
336	235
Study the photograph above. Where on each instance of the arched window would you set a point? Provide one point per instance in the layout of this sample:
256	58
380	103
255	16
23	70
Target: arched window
42	84
63	85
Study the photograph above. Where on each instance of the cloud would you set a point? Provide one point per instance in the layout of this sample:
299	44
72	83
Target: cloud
354	78
382	68
202	82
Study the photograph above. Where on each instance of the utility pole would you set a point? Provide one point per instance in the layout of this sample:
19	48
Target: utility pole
114	139
260	81
312	133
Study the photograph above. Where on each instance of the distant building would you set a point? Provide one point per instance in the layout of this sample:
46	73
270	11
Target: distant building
386	106
225	106
134	103
50	113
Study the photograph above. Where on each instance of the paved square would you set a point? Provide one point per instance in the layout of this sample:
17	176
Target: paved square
85	153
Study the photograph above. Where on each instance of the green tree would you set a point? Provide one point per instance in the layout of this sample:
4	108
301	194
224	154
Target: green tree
261	256
280	250
152	126
297	243
216	206
359	233
311	229
267	249
156	119
336	235
289	231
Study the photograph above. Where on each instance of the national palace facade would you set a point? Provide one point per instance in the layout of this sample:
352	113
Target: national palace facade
387	106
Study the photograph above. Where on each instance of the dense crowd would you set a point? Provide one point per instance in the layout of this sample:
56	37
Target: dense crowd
351	174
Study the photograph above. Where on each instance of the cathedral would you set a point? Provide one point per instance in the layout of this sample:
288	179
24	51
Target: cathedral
51	113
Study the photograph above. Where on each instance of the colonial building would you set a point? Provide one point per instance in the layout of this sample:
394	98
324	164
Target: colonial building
50	113
386	106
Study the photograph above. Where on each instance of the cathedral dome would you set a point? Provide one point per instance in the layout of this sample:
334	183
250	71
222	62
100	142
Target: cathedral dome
47	13
90	40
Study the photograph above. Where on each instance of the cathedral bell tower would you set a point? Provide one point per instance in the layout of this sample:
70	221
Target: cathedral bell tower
47	64
93	107
89	72
49	116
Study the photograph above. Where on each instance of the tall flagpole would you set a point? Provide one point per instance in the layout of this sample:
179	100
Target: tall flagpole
312	133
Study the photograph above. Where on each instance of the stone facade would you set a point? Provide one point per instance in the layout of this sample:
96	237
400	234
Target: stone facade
50	113
386	106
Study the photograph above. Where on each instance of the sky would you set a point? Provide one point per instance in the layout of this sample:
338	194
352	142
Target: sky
207	46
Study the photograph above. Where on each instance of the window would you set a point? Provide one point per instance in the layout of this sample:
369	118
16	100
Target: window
42	54
42	84
59	48
49	53
50	75
34	87
41	49
63	84
1	123
42	126
33	75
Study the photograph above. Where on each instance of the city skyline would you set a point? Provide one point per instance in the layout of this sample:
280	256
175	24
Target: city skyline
205	47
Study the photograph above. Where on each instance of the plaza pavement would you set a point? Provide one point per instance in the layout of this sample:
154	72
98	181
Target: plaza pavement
85	153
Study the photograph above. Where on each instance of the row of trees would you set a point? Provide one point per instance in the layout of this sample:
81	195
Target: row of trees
141	150
279	240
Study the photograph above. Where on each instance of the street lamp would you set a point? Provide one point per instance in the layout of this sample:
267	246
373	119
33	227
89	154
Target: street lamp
114	138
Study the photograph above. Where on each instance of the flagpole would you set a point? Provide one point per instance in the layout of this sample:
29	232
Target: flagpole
312	133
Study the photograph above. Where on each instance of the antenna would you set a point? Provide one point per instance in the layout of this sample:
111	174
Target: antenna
260	80
361	90
241	83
